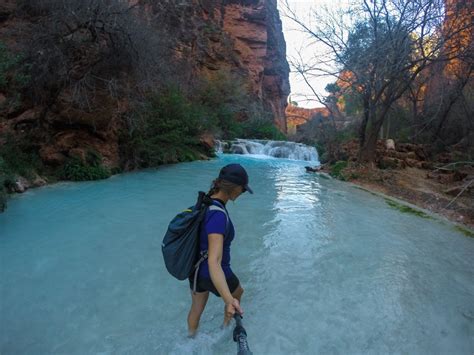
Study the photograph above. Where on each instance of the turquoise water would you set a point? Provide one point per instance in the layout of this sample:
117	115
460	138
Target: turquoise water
327	269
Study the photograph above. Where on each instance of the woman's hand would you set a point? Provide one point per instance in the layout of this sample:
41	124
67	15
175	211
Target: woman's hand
230	309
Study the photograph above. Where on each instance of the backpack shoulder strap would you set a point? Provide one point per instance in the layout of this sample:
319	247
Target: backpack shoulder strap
217	208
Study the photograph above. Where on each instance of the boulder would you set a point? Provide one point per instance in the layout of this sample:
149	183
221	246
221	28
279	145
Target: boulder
313	169
21	185
390	144
38	181
237	149
208	141
407	147
391	163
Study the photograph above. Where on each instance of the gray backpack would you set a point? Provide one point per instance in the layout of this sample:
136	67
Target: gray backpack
180	244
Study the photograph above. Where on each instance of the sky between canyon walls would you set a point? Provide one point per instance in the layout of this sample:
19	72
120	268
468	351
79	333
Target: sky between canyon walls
298	41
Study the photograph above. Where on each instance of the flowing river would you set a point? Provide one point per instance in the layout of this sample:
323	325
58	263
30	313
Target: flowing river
327	269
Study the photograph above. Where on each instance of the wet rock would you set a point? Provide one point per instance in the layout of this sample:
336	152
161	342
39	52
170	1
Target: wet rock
237	149
38	181
312	169
21	185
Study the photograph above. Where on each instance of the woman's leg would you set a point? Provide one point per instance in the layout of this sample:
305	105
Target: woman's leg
199	300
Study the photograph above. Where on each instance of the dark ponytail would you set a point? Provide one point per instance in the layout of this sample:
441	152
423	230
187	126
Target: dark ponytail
214	187
221	185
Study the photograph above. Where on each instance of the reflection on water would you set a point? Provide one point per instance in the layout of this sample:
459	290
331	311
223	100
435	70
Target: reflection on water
326	269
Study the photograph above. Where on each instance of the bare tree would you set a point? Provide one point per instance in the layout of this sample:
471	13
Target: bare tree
91	46
383	46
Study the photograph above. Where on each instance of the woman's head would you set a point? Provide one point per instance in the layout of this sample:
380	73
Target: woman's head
232	181
223	187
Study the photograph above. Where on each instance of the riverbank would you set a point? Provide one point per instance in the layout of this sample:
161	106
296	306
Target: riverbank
415	186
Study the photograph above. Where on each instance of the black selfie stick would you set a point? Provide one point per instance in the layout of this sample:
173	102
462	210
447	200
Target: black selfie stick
240	337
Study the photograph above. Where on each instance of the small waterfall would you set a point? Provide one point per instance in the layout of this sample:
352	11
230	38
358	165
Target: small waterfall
276	149
219	146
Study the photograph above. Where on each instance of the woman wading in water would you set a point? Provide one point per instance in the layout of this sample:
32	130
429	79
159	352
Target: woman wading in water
216	235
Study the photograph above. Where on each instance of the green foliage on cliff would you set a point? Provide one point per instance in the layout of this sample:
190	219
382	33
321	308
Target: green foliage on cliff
167	127
231	111
224	97
6	179
13	74
261	129
165	130
91	169
20	157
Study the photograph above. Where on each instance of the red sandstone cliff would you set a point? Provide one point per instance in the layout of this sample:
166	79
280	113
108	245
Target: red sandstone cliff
241	37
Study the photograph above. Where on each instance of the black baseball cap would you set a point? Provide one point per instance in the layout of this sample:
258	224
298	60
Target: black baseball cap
236	174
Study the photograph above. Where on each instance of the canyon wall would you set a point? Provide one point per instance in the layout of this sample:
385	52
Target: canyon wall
243	38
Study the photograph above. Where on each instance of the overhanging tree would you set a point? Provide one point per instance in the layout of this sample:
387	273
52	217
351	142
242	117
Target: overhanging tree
381	47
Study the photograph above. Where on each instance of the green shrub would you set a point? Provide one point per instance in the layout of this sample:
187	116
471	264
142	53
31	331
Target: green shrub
346	134
3	198
20	157
261	129
337	168
77	170
12	73
165	130
3	183
233	113
7	62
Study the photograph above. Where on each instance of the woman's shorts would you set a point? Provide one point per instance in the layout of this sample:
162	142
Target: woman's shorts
204	284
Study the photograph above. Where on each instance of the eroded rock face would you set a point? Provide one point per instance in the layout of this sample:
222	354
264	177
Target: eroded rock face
243	37
258	40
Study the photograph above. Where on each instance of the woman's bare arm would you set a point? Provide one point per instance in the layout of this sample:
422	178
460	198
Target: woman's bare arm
216	246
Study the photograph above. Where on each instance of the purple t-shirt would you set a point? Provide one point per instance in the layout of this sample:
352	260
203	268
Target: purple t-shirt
216	222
